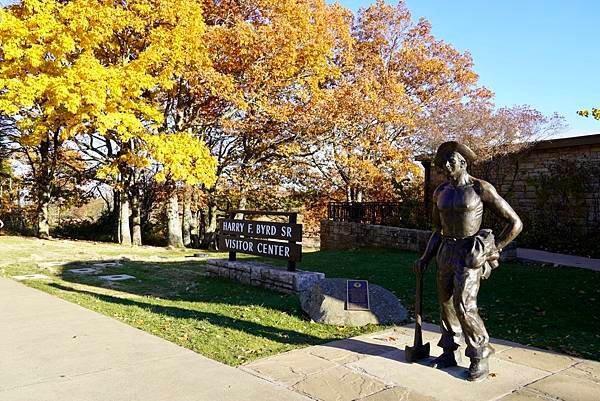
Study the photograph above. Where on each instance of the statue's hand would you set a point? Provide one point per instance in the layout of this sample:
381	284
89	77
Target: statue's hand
420	266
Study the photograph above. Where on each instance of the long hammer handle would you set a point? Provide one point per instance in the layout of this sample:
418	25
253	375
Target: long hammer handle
419	309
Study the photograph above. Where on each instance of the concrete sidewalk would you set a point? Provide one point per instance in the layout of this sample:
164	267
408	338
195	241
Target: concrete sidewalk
53	350
558	259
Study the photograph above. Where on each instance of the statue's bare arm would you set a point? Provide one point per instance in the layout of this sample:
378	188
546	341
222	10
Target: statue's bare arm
436	236
492	200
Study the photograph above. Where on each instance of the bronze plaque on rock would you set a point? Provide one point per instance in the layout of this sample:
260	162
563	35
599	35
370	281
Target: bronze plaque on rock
357	295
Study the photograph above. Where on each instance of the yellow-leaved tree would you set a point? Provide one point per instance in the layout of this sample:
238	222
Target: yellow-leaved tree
94	73
270	59
595	113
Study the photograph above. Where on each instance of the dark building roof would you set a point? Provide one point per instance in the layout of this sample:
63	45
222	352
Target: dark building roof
546	144
568	142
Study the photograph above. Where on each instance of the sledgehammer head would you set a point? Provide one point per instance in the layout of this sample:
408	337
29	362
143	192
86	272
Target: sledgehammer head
416	352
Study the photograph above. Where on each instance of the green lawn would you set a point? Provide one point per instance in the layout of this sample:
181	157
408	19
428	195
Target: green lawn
553	308
171	298
548	307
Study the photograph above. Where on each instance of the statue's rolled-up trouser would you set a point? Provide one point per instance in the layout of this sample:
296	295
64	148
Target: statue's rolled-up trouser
457	288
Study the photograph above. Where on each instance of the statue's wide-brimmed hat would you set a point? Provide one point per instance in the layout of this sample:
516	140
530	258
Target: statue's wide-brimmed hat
452	146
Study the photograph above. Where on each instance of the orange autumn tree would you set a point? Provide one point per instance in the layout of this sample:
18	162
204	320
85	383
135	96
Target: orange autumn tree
272	58
96	70
395	77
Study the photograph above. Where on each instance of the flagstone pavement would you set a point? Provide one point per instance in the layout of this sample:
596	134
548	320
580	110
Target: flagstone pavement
372	368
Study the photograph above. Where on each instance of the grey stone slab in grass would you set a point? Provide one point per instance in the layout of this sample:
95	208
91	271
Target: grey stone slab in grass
50	265
264	275
199	255
31	277
117	277
84	270
106	264
339	384
447	384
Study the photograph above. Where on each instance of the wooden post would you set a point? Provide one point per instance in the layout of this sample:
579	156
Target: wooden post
293	219
232	255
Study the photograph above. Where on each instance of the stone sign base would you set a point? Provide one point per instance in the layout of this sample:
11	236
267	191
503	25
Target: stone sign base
263	275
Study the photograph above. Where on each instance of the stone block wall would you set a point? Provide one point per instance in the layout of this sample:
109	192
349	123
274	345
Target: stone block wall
515	176
263	275
339	235
347	235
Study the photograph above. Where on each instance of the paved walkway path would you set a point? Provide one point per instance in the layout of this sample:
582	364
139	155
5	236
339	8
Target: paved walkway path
373	368
558	259
53	350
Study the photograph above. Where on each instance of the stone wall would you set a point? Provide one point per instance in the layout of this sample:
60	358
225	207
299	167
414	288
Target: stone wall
263	275
346	235
517	178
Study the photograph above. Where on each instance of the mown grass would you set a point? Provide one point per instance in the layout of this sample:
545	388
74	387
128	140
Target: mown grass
552	308
173	298
555	308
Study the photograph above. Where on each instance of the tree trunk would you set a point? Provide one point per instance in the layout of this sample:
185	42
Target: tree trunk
359	195
242	205
136	219
124	220
44	192
195	230
210	227
117	216
21	215
43	225
187	218
174	231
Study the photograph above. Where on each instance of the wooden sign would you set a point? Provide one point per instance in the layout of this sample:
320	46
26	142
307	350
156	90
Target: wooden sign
262	229
262	238
357	295
270	249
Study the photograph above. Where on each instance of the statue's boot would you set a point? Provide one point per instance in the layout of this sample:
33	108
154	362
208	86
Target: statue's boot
446	360
478	370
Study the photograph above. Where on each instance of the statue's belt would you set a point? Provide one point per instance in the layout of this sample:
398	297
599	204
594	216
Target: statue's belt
451	238
482	251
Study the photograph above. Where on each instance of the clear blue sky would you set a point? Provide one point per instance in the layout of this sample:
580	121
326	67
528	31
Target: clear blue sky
545	53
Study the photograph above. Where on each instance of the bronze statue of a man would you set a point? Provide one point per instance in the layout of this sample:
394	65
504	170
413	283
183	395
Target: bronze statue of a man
464	254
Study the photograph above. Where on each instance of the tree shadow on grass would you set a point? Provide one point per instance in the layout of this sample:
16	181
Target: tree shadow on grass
280	335
537	301
187	283
276	334
181	281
